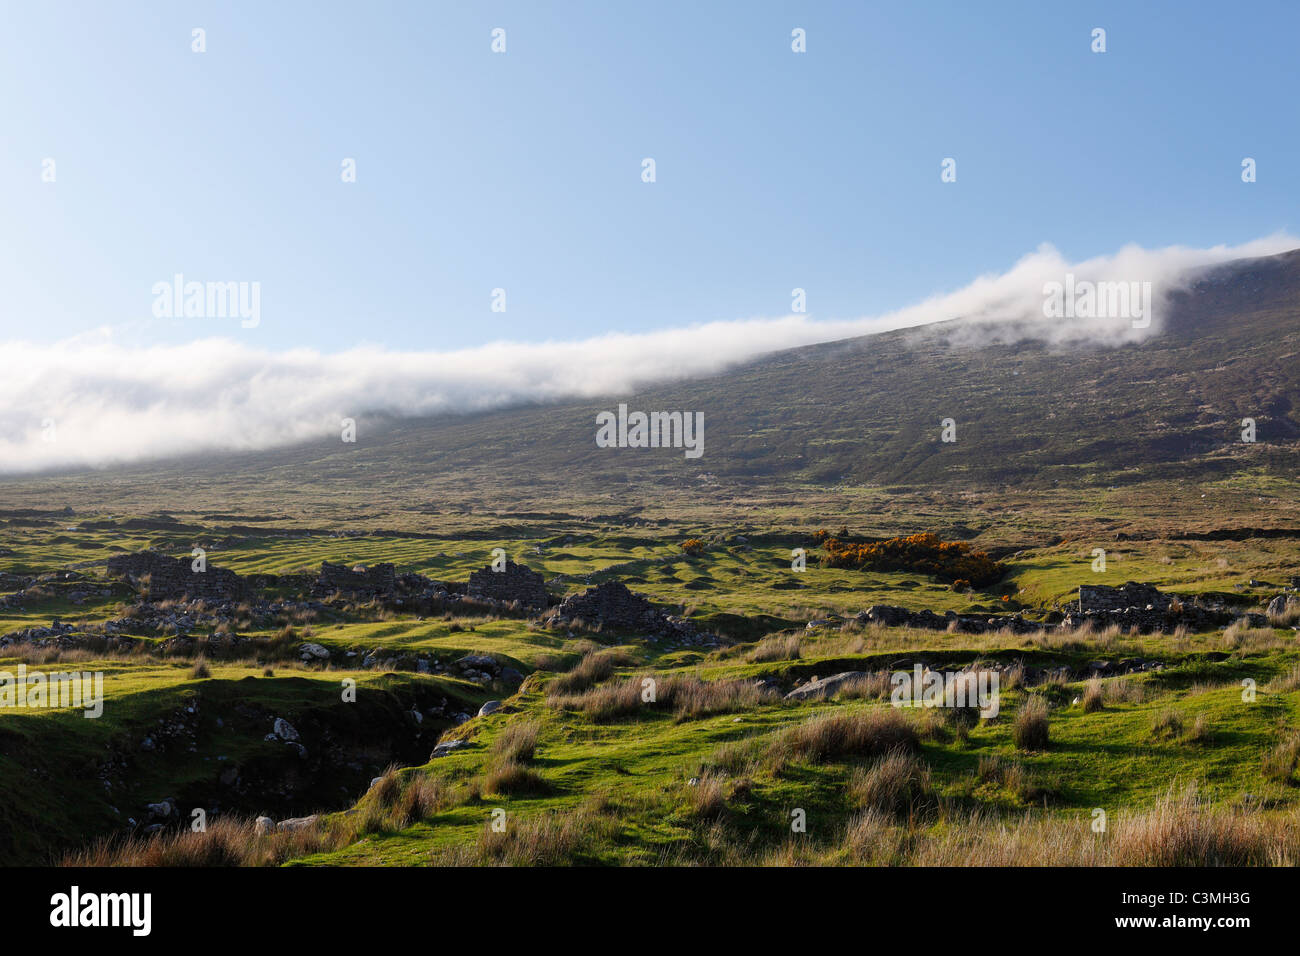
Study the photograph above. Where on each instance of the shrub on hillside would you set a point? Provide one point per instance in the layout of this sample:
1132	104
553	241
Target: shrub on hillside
925	553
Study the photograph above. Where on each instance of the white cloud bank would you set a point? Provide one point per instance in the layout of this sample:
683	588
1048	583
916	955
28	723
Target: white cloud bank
84	403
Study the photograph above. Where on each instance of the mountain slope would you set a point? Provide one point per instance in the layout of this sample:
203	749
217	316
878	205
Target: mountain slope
865	411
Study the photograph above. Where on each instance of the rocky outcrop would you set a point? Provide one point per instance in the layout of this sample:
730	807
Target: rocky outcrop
514	583
824	687
14	582
1283	603
165	579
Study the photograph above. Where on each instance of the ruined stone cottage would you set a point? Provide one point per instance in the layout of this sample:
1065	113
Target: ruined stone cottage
162	578
515	582
358	582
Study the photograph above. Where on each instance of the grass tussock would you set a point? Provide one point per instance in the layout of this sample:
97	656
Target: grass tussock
545	839
1240	636
1093	696
1280	762
1030	729
875	686
518	742
1168	725
594	667
1288	617
706	796
685	697
1011	776
226	842
867	733
897	784
1123	691
778	647
1182	829
507	778
1285	683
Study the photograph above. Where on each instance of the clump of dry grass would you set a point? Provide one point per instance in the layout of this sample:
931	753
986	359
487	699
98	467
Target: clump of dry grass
1280	763
897	784
1030	729
1180	830
1011	776
385	790
1185	830
1092	696
423	796
1054	679
1199	733
546	839
707	796
1240	636
1124	691
1285	683
200	670
686	697
873	686
868	733
691	698
225	842
594	667
518	742
1168	724
508	778
778	647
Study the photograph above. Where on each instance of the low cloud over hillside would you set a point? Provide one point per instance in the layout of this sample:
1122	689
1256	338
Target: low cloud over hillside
94	402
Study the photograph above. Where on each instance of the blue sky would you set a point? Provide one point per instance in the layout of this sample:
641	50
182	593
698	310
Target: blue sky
522	171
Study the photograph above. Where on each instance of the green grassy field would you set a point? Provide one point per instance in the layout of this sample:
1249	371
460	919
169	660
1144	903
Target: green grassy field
674	782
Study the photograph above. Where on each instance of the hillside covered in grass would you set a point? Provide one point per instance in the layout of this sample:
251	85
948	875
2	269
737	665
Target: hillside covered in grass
576	765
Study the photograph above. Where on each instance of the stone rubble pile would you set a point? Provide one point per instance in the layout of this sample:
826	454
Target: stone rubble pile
891	615
612	605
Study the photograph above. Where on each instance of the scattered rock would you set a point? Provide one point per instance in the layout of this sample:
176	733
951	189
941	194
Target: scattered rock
816	689
298	823
1282	603
447	747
